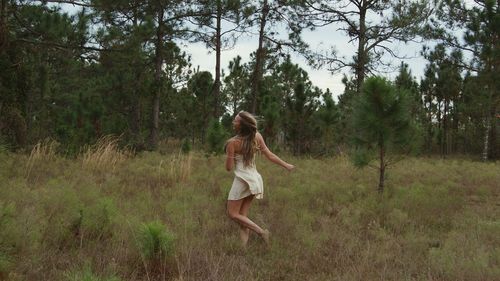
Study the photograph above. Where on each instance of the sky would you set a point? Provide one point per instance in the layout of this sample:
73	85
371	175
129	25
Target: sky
320	39
317	40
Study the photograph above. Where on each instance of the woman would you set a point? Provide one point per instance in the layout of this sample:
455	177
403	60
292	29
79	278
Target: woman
247	184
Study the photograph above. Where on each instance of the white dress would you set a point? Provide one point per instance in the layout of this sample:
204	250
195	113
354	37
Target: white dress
247	181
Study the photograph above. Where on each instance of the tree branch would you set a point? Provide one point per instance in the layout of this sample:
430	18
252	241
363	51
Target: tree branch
63	46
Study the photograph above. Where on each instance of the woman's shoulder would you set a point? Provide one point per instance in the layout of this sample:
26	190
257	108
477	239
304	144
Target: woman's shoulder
259	137
234	143
234	139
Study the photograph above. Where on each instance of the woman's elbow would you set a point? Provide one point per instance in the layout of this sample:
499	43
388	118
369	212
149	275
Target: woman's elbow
271	157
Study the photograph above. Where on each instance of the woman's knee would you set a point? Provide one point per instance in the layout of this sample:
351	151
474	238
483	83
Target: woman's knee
232	214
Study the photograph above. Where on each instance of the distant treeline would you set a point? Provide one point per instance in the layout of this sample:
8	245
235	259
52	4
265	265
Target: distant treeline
117	67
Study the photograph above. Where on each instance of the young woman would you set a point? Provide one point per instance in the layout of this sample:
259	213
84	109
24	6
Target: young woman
247	184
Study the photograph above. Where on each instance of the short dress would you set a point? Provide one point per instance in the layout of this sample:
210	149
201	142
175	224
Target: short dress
247	181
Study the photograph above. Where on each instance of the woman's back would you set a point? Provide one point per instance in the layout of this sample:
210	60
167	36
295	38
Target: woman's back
238	155
237	144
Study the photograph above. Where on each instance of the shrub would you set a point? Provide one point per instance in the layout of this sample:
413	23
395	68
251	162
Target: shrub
5	265
216	136
186	146
8	227
62	216
4	146
97	219
155	241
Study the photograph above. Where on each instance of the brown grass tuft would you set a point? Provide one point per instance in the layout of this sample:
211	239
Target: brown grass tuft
42	151
105	154
175	169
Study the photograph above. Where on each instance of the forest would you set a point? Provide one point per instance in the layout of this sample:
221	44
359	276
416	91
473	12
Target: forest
120	67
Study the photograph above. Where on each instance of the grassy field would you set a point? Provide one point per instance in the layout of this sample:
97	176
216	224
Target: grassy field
109	216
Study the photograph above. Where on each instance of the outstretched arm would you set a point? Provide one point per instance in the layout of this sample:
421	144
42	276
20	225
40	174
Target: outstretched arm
271	156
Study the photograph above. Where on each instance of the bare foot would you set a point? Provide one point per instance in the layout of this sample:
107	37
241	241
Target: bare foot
265	235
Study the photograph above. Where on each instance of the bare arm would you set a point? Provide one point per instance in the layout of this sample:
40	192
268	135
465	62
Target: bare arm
230	156
271	156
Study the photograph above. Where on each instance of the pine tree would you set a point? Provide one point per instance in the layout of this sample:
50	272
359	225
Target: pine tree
382	126
216	135
271	17
443	85
327	119
236	85
199	87
221	23
372	24
480	21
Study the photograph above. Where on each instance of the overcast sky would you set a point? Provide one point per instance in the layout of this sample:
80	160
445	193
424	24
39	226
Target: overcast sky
320	39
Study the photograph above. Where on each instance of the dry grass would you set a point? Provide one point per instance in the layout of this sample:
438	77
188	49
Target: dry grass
105	154
173	169
43	151
438	220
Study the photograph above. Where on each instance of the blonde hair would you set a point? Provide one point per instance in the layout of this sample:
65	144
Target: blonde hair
247	132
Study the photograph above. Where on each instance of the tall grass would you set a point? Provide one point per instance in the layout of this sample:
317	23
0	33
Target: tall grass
4	145
105	154
6	239
43	151
176	168
438	220
86	274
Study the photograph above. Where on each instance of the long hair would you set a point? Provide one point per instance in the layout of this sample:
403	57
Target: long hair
246	132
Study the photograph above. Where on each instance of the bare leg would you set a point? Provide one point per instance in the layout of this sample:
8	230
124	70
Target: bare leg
245	231
233	210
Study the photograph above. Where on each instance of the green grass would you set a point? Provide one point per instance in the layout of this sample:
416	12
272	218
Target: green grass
60	220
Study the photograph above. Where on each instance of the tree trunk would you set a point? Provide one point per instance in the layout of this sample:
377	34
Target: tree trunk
135	122
444	144
494	149
216	86
381	169
487	130
259	59
429	130
3	11
3	25
361	55
135	111
454	140
96	123
440	127
155	118
490	116
235	104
